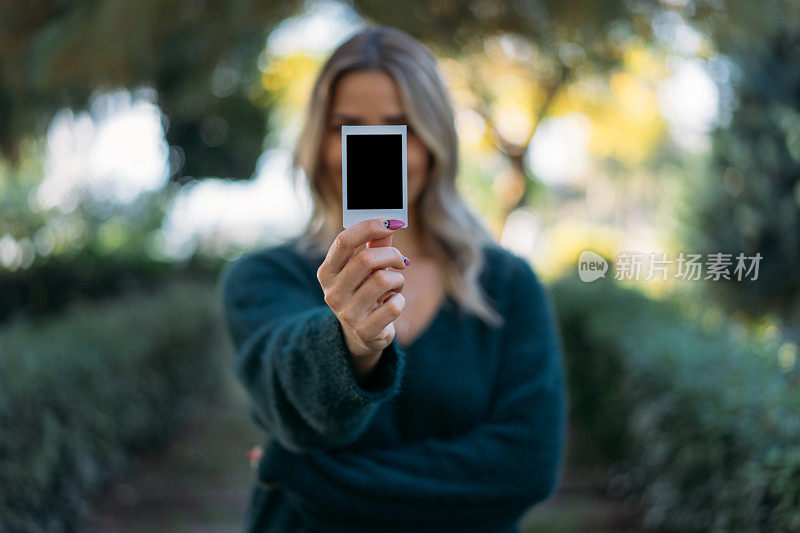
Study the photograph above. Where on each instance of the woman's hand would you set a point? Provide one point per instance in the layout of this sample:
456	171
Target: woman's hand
356	286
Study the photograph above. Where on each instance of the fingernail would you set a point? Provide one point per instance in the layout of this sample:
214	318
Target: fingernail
393	224
406	260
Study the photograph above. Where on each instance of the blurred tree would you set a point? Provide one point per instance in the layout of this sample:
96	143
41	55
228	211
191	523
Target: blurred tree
551	44
198	56
751	201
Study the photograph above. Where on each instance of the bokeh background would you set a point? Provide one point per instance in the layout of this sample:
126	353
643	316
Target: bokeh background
146	144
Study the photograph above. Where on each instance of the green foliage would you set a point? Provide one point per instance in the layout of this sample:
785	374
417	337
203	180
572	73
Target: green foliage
750	201
700	426
82	392
98	248
199	57
202	59
564	34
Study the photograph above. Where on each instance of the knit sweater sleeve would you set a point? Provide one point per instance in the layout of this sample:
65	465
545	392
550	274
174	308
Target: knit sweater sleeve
292	358
479	481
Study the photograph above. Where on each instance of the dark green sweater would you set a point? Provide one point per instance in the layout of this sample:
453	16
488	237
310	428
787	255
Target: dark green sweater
463	430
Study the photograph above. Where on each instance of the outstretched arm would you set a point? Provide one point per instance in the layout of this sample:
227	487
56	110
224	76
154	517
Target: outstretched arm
292	358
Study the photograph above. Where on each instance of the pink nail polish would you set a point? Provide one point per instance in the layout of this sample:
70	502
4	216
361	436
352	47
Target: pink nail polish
406	260
393	224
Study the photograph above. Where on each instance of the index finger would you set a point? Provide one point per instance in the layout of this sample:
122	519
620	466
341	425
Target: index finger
345	244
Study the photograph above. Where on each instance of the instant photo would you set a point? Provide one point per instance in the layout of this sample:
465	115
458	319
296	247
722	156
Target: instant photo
374	173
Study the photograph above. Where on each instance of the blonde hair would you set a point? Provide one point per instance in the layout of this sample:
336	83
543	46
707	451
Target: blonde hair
449	230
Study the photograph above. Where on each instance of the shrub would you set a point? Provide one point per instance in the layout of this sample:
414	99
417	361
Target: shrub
702	427
83	391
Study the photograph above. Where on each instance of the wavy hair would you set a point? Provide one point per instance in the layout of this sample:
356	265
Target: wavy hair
449	229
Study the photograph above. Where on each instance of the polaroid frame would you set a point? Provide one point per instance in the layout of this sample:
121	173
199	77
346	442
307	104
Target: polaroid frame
354	216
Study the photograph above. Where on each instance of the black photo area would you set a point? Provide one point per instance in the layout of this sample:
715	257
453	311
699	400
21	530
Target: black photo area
375	171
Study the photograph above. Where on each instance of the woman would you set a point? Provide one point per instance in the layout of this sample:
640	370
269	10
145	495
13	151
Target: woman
398	395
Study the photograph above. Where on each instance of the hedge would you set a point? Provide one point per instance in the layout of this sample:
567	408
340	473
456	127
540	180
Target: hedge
53	282
84	391
700	427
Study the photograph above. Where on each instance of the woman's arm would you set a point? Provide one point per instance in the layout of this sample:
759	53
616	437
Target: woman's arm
486	478
292	358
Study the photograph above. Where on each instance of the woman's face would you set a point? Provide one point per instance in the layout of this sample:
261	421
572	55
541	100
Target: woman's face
371	98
